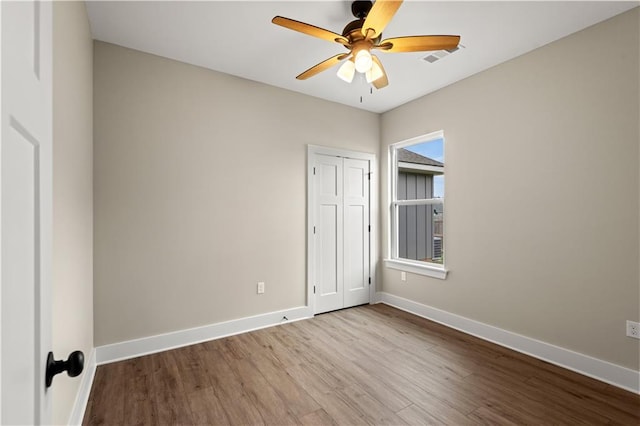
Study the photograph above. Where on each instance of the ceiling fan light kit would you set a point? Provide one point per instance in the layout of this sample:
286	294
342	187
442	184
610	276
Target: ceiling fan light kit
363	61
361	36
347	71
374	73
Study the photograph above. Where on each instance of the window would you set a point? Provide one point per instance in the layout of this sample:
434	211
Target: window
417	205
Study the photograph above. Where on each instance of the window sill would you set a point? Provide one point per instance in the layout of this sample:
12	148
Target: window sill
419	268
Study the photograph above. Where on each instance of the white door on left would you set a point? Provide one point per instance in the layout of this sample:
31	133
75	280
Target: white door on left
25	210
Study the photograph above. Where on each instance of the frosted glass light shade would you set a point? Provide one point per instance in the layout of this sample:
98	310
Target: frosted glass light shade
374	73
363	61
346	71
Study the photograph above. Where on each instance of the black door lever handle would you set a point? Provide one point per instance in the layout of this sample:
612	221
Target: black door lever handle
73	366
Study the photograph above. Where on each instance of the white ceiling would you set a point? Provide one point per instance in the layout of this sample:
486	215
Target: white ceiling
237	37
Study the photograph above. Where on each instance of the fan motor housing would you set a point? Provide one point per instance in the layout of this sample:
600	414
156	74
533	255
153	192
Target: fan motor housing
353	30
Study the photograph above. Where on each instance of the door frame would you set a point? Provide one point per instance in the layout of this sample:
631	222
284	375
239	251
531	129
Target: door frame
312	151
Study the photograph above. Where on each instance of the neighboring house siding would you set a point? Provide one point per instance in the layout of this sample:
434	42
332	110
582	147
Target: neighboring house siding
415	222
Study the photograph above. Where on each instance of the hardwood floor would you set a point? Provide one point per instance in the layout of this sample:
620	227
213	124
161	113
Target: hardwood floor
366	365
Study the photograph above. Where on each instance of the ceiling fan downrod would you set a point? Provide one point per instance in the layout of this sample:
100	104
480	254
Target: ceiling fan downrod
361	8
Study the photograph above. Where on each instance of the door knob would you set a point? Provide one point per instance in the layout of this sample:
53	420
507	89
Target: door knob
73	366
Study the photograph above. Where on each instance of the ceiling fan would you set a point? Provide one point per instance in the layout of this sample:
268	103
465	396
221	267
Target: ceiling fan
363	35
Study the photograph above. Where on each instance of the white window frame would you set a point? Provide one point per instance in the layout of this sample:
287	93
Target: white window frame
434	270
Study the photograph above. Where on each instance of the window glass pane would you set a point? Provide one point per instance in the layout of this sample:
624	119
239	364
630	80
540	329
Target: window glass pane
421	170
420	232
438	186
420	175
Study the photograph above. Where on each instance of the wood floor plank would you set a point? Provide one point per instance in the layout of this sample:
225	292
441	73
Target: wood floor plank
382	391
565	401
317	418
583	387
367	365
400	387
571	399
401	337
353	357
273	348
488	416
440	366
107	396
228	388
375	384
342	410
447	389
416	415
264	397
236	346
190	366
325	395
353	331
373	411
171	403
521	405
441	408
468	360
332	356
139	405
295	398
206	408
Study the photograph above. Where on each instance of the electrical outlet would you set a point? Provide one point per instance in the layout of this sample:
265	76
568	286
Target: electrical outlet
633	329
403	276
260	287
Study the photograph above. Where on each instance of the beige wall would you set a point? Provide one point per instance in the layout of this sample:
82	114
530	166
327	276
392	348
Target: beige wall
200	192
72	195
542	192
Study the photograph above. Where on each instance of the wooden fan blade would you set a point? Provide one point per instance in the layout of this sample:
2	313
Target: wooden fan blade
382	81
419	43
310	30
324	65
379	16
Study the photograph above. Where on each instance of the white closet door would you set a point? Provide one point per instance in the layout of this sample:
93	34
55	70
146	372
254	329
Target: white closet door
341	232
329	285
356	232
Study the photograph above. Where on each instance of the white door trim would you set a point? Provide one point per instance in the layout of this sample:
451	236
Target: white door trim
312	150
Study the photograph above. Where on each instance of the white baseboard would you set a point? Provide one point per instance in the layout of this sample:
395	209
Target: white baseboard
82	397
604	371
162	342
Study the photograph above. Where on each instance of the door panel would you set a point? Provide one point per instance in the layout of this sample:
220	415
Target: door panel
355	178
19	277
329	234
328	241
25	210
329	180
356	240
354	270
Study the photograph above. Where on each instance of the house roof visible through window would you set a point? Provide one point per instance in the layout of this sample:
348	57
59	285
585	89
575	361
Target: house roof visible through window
406	156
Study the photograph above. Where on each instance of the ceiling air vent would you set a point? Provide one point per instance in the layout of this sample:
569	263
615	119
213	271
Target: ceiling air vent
439	54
